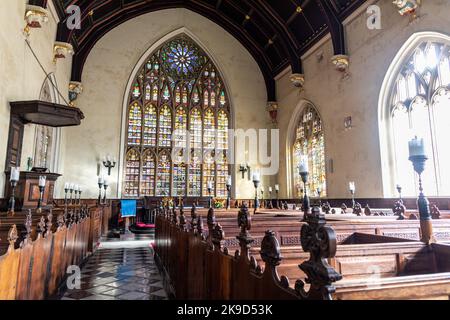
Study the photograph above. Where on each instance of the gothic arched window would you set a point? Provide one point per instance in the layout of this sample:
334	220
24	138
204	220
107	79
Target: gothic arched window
420	105
177	102
309	146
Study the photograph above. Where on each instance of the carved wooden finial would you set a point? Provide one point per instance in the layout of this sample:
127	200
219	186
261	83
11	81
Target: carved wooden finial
367	210
270	249
200	225
357	209
244	220
182	217
60	221
435	212
28	224
399	210
320	241
326	208
217	236
194	216
413	216
49	222
344	208
41	226
13	235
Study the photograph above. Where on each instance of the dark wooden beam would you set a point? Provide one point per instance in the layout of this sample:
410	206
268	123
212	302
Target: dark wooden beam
286	37
335	26
89	38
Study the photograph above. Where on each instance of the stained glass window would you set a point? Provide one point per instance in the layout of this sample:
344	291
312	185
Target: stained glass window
148	174
163	175
420	106
150	124
132	171
135	125
177	88
309	146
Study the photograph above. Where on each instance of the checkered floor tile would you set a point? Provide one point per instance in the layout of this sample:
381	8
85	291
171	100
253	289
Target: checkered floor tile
119	274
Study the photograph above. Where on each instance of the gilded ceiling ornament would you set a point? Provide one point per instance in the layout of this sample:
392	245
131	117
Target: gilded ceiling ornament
61	50
298	80
35	17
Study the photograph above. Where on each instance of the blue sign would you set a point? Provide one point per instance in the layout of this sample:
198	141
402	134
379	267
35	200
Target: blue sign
128	208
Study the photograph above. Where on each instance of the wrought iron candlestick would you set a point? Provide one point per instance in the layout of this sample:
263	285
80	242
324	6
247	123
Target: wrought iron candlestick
306	204
256	185
399	190
270	205
278	200
228	196
261	203
100	186
12	199
71	193
41	196
109	164
353	197
79	196
319	193
209	197
423	204
66	190
105	186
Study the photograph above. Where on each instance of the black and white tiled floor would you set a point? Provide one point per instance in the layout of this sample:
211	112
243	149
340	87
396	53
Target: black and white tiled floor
120	271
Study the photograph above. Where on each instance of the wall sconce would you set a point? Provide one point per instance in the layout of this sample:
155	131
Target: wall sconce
348	123
341	63
35	17
298	80
272	108
109	163
75	89
408	7
61	50
243	168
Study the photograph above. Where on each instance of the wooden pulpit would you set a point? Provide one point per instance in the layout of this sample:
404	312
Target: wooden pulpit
27	190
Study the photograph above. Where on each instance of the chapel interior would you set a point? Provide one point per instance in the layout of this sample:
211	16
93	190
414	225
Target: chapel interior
224	150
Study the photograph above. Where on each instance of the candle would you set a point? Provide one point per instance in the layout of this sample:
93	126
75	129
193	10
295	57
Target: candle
76	188
416	147
351	186
210	185
105	182
15	174
303	167
79	189
277	187
229	181
256	176
100	180
270	189
42	180
262	189
399	186
71	186
66	186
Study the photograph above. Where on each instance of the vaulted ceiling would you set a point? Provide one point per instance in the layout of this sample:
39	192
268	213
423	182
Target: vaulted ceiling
275	32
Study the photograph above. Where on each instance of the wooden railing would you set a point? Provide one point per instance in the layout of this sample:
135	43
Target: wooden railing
37	268
195	267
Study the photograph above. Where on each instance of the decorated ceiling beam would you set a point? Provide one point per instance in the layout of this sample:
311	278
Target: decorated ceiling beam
84	42
286	37
336	28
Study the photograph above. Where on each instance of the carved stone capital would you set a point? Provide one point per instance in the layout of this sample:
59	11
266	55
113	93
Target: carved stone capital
35	17
298	80
341	62
61	50
75	89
